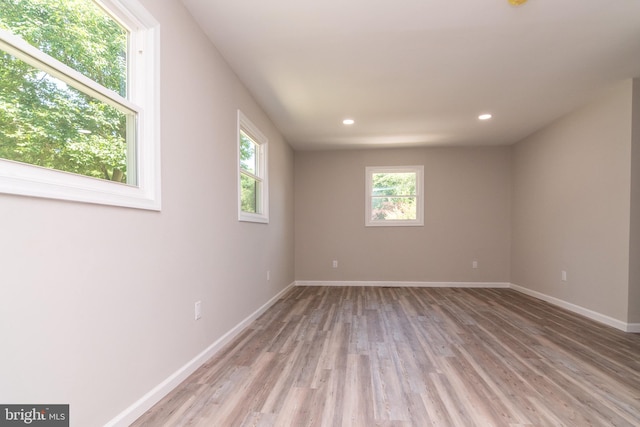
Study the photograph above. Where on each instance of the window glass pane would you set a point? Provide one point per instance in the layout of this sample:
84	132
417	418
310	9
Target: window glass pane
253	197
394	196
250	193
394	184
393	208
45	122
77	33
248	154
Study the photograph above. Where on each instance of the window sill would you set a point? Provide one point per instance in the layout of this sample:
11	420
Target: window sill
395	224
27	180
249	217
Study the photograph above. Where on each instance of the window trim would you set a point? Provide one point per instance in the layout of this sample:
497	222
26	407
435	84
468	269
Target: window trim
35	181
245	125
419	171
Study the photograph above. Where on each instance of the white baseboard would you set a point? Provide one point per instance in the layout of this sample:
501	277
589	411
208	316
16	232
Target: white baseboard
406	284
593	315
133	412
633	327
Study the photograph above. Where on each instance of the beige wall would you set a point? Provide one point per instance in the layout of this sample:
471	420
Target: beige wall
634	246
467	207
571	206
97	303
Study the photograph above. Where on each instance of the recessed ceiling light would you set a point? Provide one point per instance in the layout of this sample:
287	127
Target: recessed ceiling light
484	116
348	121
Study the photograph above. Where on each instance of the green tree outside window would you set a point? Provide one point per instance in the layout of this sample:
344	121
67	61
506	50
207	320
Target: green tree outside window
393	196
45	122
249	174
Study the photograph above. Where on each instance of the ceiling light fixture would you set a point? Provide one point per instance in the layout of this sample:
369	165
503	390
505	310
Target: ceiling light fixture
484	116
348	121
517	2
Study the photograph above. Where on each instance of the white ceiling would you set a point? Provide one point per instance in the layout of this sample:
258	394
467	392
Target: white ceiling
419	72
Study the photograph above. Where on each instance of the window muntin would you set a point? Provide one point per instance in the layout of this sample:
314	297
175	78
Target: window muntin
99	113
252	187
394	196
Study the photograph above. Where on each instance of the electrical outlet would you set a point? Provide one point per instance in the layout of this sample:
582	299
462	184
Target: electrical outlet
564	276
474	264
268	275
198	310
335	263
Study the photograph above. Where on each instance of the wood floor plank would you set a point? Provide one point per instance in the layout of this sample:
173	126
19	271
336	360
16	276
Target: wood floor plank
437	413
413	357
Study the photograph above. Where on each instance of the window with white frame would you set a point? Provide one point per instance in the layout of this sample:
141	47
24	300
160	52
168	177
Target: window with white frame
78	101
253	187
394	196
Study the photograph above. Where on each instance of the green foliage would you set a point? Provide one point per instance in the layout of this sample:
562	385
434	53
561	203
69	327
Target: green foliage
394	184
249	194
249	186
75	32
47	123
393	196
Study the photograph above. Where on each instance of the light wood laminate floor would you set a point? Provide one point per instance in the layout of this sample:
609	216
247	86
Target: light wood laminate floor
356	356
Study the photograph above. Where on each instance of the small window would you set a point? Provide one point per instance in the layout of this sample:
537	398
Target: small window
78	103
253	188
394	196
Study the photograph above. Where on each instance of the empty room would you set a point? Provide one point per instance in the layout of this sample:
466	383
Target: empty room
338	213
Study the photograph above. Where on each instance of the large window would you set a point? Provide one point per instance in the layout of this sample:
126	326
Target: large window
253	187
78	103
394	196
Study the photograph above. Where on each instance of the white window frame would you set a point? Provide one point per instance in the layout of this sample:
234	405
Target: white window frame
419	171
144	88
245	125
